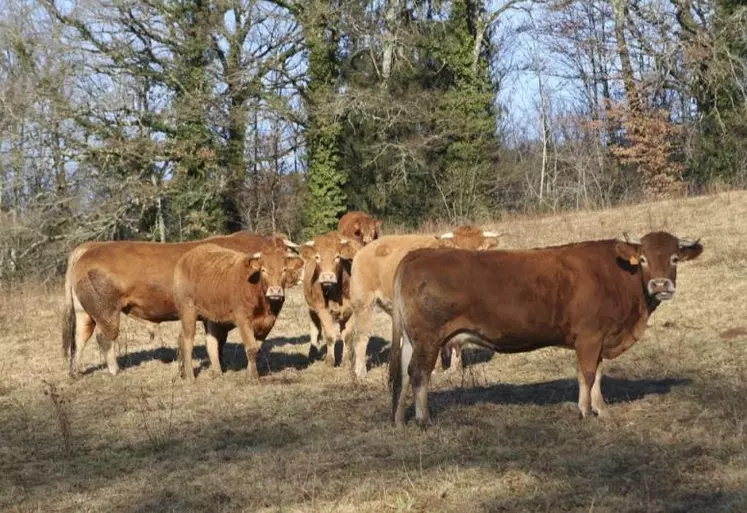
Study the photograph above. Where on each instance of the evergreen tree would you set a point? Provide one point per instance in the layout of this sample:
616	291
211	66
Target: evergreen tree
325	178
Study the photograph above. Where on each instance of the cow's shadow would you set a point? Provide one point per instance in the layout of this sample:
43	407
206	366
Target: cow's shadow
234	357
616	390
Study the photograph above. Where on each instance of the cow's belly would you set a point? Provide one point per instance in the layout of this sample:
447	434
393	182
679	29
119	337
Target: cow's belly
153	304
508	342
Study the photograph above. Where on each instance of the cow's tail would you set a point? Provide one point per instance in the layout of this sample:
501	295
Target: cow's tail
395	353
68	313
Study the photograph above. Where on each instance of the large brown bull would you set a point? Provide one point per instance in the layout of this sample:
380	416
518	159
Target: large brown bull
134	278
593	297
228	289
373	275
326	287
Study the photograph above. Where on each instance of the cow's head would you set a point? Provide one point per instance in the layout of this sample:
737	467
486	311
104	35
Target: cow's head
656	257
366	229
275	268
470	237
327	256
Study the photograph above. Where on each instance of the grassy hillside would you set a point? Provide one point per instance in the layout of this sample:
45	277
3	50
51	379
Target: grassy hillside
507	436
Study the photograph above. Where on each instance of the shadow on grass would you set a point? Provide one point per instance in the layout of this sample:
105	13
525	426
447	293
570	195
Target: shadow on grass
255	458
233	354
615	390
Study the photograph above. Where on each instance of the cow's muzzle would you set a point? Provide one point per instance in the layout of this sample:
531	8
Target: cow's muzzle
275	292
661	288
327	279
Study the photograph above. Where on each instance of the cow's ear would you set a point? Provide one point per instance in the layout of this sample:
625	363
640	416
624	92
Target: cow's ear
253	263
308	252
377	226
689	250
348	248
628	252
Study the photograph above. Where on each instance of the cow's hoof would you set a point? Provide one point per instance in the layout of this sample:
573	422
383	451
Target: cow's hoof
424	424
600	413
360	372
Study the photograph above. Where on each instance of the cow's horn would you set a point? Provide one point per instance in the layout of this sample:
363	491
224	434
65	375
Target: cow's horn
491	234
344	241
685	243
309	243
257	255
448	235
629	239
290	244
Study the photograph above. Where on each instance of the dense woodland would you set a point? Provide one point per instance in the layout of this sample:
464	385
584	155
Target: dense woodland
169	120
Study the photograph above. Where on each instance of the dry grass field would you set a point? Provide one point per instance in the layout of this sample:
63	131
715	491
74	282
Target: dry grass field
506	438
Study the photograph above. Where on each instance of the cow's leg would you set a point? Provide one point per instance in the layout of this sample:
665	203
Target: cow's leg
315	330
443	359
187	342
107	333
347	341
215	336
362	331
588	359
84	327
331	331
597	400
252	347
424	361
108	348
456	357
406	359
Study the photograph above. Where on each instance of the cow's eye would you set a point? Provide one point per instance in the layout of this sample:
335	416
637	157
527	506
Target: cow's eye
318	258
643	260
674	259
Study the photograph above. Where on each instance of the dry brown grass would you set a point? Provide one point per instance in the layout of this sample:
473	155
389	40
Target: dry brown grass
506	438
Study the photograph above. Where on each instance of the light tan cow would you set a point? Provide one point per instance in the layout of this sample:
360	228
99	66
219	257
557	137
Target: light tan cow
373	276
326	287
228	289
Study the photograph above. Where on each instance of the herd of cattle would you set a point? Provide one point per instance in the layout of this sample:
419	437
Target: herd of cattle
441	291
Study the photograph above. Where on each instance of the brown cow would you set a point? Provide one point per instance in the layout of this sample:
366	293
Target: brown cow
326	287
359	226
373	275
136	278
227	288
594	297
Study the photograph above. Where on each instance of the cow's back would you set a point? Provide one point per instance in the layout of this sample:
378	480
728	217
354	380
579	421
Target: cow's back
374	265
